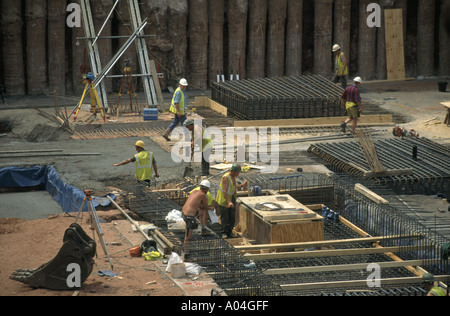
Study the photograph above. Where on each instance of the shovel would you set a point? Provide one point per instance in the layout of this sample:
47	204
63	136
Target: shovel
188	171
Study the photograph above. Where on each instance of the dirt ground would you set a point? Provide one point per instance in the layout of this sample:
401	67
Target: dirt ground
28	244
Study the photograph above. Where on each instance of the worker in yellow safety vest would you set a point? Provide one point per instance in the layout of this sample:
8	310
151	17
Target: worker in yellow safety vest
340	66
145	164
199	135
178	108
433	290
226	200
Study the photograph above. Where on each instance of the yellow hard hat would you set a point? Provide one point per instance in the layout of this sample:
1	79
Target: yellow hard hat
140	143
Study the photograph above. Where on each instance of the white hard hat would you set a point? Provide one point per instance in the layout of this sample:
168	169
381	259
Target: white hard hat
184	82
357	79
336	48
206	184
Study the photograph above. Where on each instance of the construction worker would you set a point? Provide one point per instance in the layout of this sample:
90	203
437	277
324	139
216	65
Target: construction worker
226	200
428	283
209	198
199	135
145	164
351	101
340	66
177	108
196	206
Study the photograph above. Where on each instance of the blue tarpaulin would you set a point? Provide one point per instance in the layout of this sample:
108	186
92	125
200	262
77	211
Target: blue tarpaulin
68	197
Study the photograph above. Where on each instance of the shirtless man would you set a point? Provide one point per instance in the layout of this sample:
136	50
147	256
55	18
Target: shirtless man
196	206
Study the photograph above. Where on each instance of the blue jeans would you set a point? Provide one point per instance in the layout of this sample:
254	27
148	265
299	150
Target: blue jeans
177	120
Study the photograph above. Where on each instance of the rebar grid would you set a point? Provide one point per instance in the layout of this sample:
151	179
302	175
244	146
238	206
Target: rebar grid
238	276
280	97
431	170
411	290
387	220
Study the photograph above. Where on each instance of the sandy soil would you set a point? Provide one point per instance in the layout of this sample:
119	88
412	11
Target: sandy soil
28	244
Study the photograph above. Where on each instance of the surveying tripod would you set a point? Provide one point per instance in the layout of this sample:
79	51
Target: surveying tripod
95	100
128	78
95	222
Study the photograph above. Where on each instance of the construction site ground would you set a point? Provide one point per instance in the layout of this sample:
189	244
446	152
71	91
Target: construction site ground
31	235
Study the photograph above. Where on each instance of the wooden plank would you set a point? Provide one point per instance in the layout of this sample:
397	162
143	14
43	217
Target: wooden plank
385	118
447	116
370	194
208	103
162	106
358	283
287	232
386	80
348	267
395	55
323	243
333	252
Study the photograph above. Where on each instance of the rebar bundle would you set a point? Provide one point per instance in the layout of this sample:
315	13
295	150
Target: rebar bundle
280	98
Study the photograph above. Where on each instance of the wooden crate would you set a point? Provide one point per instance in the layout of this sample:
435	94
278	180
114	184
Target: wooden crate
294	222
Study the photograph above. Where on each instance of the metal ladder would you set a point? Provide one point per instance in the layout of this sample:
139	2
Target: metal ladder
150	82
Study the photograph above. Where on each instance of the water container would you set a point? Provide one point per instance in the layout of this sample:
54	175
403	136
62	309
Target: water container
150	114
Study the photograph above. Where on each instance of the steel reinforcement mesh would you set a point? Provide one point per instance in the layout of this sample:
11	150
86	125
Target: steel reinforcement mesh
431	169
239	275
279	98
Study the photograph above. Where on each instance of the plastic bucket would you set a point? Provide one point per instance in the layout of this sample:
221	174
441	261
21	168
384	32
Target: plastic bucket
442	86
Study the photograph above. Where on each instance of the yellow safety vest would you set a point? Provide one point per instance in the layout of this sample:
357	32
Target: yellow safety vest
208	196
144	168
206	140
173	108
438	291
220	198
339	66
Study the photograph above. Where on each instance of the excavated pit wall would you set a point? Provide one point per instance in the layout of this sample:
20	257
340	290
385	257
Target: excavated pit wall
198	39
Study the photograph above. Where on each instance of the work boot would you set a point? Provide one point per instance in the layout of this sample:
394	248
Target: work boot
206	232
343	127
166	134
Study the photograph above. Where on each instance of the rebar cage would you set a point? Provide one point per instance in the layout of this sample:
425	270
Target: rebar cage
280	97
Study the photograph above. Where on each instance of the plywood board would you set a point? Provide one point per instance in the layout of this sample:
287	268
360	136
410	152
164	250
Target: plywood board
395	53
286	233
213	105
252	226
266	207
